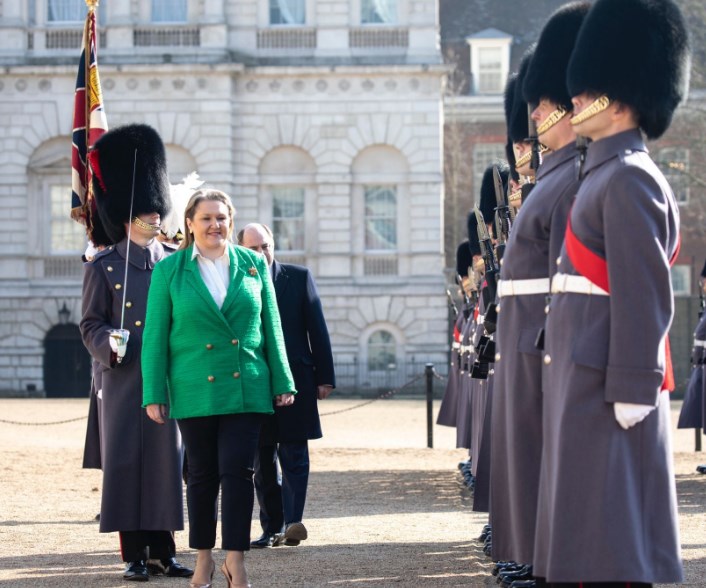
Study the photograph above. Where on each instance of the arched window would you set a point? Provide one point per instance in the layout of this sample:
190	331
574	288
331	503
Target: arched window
287	200
380	175
382	351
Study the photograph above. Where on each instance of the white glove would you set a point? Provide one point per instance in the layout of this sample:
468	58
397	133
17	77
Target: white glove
628	415
118	342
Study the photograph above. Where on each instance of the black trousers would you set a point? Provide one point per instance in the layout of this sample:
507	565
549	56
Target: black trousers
285	503
142	545
221	452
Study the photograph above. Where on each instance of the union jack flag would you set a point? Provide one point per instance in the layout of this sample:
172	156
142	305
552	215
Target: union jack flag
89	124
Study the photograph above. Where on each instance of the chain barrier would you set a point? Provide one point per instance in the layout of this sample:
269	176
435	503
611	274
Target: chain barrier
23	423
382	396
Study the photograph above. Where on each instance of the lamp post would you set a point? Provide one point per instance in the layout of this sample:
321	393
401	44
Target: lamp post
64	314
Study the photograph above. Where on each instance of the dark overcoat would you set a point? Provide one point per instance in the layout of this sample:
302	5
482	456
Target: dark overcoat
92	445
691	414
142	486
308	345
465	383
607	509
449	403
516	430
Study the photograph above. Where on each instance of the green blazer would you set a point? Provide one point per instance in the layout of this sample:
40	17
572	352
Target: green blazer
214	361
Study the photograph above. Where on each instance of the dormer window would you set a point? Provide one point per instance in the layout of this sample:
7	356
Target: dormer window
490	61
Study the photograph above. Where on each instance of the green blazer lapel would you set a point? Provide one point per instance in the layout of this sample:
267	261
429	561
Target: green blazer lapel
237	273
193	277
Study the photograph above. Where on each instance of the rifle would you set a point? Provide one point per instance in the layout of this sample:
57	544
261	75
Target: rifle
502	215
702	301
452	304
491	273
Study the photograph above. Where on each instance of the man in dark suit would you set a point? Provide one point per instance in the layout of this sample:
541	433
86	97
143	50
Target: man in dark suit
286	433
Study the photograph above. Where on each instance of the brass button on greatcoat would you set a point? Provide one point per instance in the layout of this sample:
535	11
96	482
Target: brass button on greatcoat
109	268
234	341
547	359
209	346
128	305
211	378
118	286
138	323
236	375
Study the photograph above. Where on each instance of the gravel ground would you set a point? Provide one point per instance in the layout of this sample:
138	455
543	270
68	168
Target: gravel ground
383	510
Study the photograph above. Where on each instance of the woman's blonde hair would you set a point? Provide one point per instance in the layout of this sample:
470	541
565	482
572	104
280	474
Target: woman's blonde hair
197	198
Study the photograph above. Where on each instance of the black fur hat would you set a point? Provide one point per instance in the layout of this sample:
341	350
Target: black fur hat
112	159
473	241
517	128
635	52
546	75
488	201
464	259
508	103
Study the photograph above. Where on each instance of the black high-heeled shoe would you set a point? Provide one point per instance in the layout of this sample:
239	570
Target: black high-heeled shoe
210	582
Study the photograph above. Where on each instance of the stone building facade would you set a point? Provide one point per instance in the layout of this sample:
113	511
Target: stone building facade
327	126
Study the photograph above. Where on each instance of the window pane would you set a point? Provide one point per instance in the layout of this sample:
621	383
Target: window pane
288	218
169	10
67	236
490	69
378	11
674	163
380	218
681	280
382	351
287	12
66	10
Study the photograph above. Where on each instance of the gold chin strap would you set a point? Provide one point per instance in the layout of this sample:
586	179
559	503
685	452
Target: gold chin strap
525	159
551	120
144	226
515	199
598	105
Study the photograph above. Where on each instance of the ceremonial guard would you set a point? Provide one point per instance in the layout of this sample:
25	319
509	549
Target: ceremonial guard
691	414
483	388
449	404
141	460
528	264
607	510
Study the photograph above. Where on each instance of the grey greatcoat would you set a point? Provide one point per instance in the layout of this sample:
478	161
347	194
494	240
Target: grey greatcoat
449	404
607	509
480	392
691	415
465	382
142	487
516	430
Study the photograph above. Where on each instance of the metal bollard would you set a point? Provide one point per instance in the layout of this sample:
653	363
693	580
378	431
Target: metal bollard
429	371
697	439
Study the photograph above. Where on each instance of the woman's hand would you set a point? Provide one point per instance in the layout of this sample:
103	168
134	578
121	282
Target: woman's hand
157	412
284	400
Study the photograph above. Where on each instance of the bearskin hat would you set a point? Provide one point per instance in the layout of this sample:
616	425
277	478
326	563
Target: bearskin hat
546	74
112	161
473	241
464	258
517	128
635	52
488	201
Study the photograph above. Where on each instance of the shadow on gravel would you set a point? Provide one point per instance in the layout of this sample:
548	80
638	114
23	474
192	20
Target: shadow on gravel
690	493
384	492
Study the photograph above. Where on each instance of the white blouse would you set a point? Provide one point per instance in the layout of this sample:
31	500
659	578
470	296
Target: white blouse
215	274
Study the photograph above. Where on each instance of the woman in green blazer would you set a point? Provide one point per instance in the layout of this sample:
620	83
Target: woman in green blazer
213	352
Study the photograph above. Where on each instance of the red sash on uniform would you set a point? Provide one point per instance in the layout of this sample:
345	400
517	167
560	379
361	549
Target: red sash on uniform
595	269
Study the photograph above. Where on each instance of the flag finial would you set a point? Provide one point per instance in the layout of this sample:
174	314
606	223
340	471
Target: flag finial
92	4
